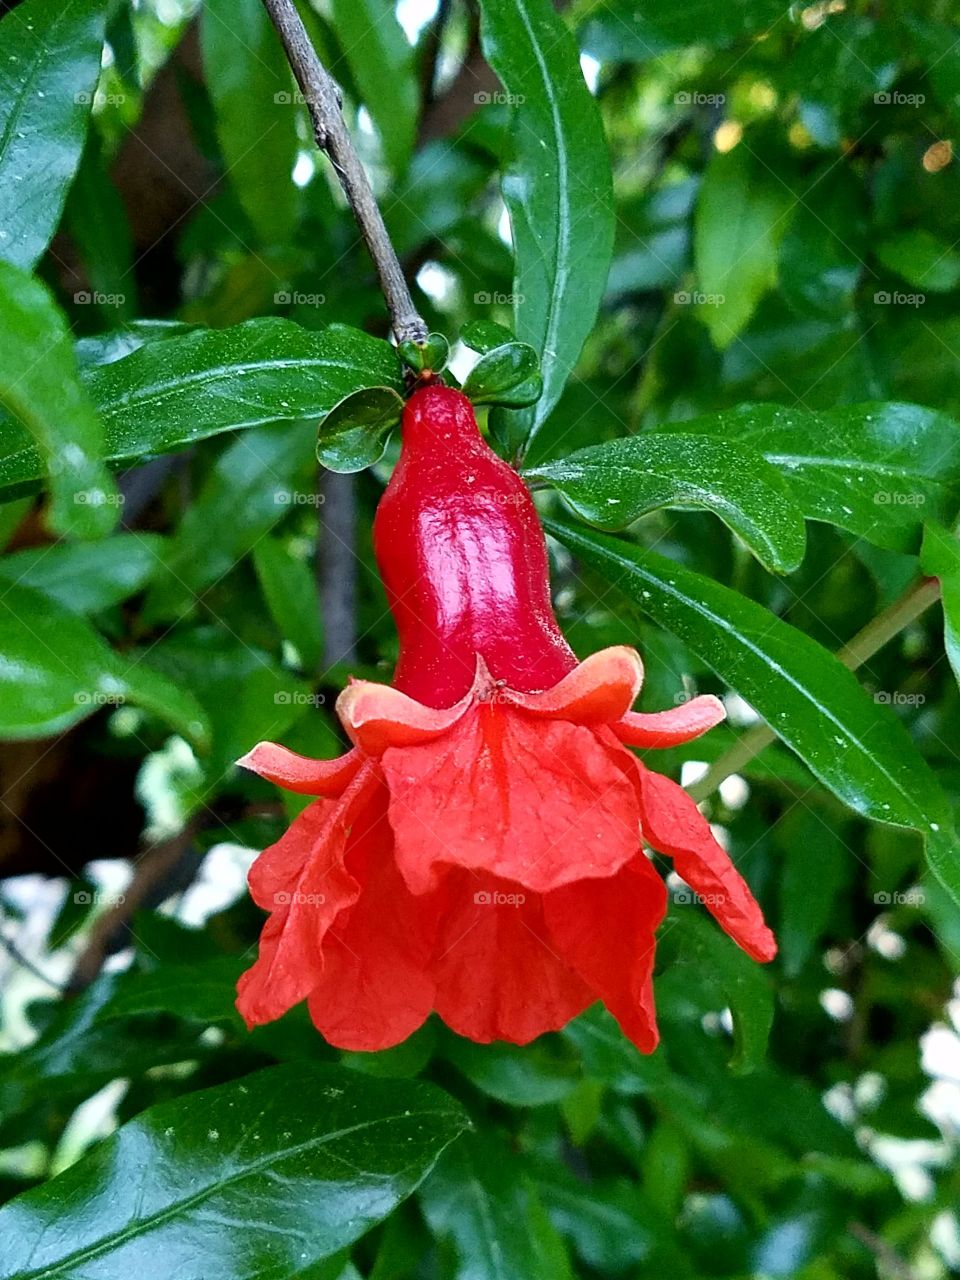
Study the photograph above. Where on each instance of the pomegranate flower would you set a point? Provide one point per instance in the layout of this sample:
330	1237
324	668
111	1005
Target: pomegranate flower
479	851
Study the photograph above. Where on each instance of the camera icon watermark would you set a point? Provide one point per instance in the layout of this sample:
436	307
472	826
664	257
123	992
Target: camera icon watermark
883	298
290	498
896	99
499	98
298	899
484	299
914	897
297	698
87	298
98	898
288	298
894	698
494	898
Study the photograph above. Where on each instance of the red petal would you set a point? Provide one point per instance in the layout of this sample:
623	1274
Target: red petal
299	773
673	727
377	716
290	963
376	987
605	930
538	802
601	689
674	825
498	973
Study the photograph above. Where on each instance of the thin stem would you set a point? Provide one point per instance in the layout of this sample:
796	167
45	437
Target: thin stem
877	633
324	104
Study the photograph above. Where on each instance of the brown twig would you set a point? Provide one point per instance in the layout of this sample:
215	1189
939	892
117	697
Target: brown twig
324	104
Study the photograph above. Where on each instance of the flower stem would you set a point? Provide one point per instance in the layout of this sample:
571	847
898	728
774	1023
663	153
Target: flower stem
877	633
324	104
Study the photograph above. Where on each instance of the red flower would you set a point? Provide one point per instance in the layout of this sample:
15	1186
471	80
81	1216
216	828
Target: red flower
478	852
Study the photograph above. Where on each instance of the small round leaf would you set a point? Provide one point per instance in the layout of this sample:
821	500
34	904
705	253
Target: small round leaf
354	433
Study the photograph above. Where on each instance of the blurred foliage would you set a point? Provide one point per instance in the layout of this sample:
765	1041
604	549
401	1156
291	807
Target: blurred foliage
777	277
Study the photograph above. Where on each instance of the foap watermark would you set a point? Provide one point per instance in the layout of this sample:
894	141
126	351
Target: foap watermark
288	298
897	299
298	899
292	98
297	698
499	98
894	698
98	898
695	298
697	99
914	897
94	298
897	99
688	896
290	498
98	698
494	898
99	99
897	498
98	498
484	299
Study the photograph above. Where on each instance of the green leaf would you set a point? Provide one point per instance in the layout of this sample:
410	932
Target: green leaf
263	1176
479	1196
876	469
813	854
740	218
922	259
620	31
507	375
425	357
55	670
202	991
610	485
86	577
940	557
289	587
171	393
485	335
520	1076
40	390
48	74
354	433
381	60
856	747
96	218
252	486
255	113
557	189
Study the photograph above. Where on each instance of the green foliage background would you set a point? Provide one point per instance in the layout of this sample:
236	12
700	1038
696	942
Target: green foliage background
737	258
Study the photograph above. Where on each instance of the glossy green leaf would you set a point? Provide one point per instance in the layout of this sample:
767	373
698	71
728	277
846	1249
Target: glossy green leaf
610	485
55	670
202	991
250	488
96	218
289	586
48	73
813	854
254	111
557	188
875	469
740	219
40	390
260	1178
354	434
855	746
171	393
485	335
480	1197
507	375
86	577
381	60
520	1076
922	259
425	357
940	557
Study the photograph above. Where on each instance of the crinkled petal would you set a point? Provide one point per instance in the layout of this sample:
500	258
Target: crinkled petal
377	986
605	929
670	728
290	962
299	773
377	716
541	802
601	689
674	825
498	972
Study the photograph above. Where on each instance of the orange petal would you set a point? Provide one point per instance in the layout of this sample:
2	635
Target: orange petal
674	825
377	716
601	689
290	962
673	727
604	929
540	802
499	973
299	773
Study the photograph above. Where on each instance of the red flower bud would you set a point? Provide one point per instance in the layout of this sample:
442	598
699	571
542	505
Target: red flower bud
478	853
